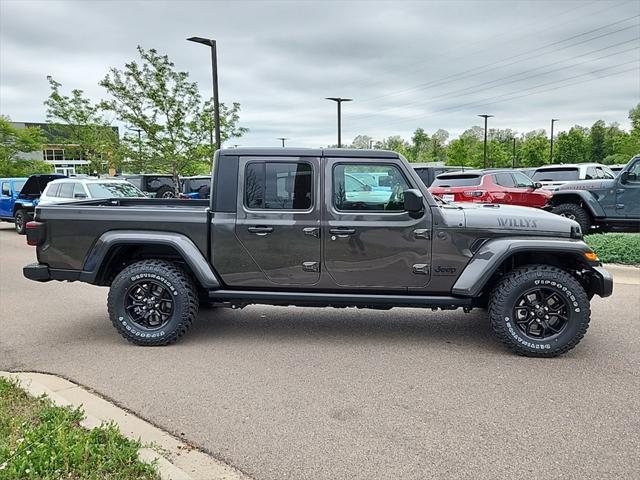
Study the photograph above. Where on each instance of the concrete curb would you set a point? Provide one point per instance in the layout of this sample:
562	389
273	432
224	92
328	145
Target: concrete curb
179	461
623	273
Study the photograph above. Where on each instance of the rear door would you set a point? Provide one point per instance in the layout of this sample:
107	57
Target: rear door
369	239
278	217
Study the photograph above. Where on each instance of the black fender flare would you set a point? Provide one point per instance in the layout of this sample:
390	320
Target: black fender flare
493	253
181	243
590	202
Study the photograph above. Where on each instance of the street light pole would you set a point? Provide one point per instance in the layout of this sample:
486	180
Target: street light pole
553	120
514	153
485	137
214	70
282	139
339	101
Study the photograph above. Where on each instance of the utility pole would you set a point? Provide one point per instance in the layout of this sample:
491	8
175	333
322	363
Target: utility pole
216	104
282	139
485	137
371	144
514	153
553	120
339	101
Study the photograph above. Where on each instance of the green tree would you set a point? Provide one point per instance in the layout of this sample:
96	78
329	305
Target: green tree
420	145
534	149
175	121
361	142
597	137
78	124
16	141
573	146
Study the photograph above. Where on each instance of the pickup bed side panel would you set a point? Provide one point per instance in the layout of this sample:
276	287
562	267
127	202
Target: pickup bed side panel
72	230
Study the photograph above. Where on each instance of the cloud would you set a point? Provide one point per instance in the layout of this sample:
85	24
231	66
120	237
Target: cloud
406	64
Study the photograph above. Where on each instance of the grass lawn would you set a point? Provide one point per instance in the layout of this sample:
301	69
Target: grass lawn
616	247
40	440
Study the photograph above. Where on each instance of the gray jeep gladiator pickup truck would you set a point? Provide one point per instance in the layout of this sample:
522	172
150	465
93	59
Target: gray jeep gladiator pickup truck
299	227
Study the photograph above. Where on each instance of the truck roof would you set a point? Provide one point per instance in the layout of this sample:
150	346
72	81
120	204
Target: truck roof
309	152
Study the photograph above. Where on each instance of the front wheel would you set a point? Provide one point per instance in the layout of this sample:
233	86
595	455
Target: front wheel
575	212
152	302
20	220
539	311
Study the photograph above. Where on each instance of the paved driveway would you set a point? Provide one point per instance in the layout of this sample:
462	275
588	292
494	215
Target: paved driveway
348	394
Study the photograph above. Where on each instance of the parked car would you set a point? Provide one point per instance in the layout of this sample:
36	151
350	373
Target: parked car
154	185
195	187
19	197
278	231
509	187
609	203
552	176
428	173
70	189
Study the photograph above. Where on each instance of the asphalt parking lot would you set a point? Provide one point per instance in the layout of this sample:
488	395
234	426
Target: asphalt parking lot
347	394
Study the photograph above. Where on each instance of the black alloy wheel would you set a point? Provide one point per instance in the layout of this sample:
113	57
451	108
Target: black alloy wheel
541	313
149	304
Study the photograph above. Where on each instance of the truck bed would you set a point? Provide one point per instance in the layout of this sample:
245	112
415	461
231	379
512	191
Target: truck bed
73	228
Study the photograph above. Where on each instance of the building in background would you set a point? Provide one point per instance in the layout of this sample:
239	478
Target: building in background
64	158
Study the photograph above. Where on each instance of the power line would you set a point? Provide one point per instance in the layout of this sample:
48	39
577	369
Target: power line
464	74
476	89
483	102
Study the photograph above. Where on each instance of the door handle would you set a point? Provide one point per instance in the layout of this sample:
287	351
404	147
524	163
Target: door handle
260	230
342	231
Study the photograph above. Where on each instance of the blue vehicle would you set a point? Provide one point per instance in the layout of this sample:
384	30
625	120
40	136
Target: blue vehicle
19	197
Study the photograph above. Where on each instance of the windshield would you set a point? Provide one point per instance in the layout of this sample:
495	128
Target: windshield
556	175
457	181
113	189
17	185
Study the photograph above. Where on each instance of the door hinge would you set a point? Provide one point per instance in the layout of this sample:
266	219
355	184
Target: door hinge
312	231
422	233
421	269
311	266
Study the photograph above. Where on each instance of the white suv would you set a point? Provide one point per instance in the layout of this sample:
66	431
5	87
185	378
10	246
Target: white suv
70	189
552	176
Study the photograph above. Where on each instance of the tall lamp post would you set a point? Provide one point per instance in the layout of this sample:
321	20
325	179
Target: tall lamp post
339	101
514	153
485	137
553	120
139	130
282	139
214	70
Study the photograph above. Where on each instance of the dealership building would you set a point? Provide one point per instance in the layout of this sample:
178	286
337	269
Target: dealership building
63	157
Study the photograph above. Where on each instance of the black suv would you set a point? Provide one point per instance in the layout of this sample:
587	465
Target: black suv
154	185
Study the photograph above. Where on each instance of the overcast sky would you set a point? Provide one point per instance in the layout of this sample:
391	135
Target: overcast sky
429	64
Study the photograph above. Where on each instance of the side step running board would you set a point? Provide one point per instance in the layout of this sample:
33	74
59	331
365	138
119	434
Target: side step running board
337	299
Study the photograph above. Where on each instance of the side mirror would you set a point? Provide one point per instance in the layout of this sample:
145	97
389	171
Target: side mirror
624	177
413	201
537	185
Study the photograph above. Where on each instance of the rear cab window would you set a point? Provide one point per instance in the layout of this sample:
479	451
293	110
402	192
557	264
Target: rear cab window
278	186
556	175
461	180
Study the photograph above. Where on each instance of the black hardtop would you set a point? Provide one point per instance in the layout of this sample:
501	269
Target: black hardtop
308	152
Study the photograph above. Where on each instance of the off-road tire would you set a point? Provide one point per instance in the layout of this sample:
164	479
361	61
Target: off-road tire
166	192
20	220
575	212
185	302
513	285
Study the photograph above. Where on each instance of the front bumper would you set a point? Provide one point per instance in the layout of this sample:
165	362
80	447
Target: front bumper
601	282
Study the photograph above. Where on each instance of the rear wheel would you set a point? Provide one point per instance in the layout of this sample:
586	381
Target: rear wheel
152	302
165	192
575	212
20	220
539	311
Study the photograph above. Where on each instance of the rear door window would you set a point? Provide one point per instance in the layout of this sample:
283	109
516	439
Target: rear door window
504	180
462	180
278	185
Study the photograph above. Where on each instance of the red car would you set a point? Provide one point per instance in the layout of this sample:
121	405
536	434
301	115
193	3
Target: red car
510	187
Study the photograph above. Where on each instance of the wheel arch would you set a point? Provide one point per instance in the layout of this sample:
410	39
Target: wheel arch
578	197
497	257
113	251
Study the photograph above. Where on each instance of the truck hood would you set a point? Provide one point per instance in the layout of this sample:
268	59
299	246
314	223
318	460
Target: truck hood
511	218
588	185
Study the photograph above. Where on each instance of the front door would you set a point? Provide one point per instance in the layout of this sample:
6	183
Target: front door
369	239
278	219
628	194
